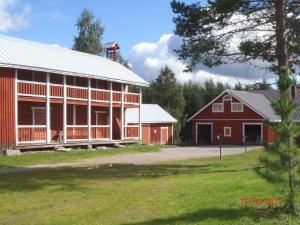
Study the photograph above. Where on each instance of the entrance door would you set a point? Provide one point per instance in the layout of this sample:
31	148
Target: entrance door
164	135
252	133
146	134
204	134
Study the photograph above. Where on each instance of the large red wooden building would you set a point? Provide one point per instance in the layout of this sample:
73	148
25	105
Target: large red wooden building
238	116
53	96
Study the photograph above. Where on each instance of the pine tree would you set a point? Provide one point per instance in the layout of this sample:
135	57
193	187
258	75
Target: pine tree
90	31
269	30
167	92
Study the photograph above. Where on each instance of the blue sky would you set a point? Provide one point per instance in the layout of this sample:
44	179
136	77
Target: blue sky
129	22
143	28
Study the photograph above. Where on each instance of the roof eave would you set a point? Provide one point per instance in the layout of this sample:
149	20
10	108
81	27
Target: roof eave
14	66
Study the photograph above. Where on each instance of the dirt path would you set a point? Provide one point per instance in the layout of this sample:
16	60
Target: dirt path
167	154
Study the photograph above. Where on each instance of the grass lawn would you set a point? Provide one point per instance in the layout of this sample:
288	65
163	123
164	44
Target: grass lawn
48	157
202	191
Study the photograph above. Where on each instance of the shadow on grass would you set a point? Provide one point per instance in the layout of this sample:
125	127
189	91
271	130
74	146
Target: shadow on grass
68	178
230	215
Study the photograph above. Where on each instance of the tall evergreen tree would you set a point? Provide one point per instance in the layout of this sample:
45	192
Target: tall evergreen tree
90	31
167	92
270	31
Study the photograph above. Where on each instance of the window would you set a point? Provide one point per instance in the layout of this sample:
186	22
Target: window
236	107
217	107
101	118
227	98
227	131
38	116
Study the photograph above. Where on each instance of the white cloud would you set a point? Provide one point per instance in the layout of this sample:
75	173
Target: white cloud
13	15
148	58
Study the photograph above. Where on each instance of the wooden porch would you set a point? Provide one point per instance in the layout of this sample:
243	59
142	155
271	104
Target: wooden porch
58	110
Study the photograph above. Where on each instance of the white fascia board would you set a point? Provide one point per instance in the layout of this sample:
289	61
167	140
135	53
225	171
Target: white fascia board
208	104
72	74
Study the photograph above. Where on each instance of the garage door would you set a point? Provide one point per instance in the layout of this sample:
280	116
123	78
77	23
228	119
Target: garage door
204	132
253	133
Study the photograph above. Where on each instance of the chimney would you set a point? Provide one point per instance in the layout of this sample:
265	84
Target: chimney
294	91
111	50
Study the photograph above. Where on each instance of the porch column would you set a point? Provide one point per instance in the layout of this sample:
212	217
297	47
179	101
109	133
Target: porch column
48	111
122	113
110	112
16	107
140	114
89	110
65	109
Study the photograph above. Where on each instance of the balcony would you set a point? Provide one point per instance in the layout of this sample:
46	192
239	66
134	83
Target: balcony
39	89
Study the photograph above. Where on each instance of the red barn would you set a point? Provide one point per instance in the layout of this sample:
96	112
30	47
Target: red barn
157	124
237	115
51	96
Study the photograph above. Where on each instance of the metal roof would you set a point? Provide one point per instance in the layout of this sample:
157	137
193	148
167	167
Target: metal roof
273	95
19	53
111	44
150	113
258	102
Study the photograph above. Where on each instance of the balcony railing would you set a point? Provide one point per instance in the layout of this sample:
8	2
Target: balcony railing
28	88
131	132
38	89
32	134
100	95
77	133
132	98
99	132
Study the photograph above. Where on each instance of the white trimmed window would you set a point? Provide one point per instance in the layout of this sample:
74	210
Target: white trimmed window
237	107
227	98
217	107
227	131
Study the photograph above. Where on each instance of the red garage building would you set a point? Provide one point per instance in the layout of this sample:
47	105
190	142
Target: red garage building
235	115
157	124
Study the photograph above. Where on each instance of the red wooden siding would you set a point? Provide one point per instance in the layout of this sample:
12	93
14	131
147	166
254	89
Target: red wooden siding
7	108
152	134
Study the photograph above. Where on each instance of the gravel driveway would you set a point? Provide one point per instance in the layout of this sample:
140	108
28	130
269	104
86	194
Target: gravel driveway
166	154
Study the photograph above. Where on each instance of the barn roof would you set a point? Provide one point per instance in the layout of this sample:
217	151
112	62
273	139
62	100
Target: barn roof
260	101
273	95
150	113
19	53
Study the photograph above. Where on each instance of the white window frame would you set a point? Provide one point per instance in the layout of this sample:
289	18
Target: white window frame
97	121
213	110
225	97
237	103
224	130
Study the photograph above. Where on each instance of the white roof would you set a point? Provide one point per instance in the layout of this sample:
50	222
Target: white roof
150	113
19	53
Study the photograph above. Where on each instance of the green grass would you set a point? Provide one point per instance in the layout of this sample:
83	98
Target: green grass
202	191
48	157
